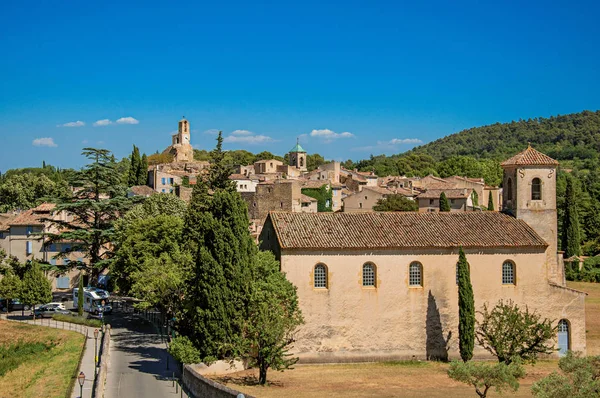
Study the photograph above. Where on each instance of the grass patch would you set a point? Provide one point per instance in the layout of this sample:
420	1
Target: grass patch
44	362
79	320
407	364
13	355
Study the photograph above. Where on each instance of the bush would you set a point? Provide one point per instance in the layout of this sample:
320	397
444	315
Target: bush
184	351
484	376
580	378
79	320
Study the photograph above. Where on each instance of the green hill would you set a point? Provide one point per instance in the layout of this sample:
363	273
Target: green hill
566	137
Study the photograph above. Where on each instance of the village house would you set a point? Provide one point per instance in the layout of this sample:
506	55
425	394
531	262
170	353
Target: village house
364	200
244	183
383	285
458	199
26	240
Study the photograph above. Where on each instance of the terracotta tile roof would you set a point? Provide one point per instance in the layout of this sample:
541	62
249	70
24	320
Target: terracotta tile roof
28	217
45	207
396	230
391	191
314	184
5	220
238	177
530	157
458	193
307	199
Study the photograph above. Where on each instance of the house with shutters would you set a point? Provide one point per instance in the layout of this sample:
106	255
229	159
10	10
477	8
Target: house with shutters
383	285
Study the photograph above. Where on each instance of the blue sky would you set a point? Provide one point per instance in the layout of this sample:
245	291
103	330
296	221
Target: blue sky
350	78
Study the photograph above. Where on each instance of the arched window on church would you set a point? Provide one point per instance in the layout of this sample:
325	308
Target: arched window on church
369	275
320	276
508	273
415	274
301	161
509	189
536	189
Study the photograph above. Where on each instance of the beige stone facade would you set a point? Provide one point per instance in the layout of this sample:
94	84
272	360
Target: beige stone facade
279	195
181	148
375	286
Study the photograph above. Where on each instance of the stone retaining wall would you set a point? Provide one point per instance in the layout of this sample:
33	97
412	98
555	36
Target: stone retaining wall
198	386
103	366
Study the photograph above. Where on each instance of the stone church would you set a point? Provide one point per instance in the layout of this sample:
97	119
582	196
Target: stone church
383	286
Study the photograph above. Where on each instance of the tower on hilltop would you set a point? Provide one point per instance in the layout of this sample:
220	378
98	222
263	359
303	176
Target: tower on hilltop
181	148
529	193
298	156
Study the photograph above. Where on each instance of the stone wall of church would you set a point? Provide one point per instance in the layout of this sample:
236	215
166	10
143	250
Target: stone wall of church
349	322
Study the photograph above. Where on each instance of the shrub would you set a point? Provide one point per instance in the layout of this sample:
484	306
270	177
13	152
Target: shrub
580	378
484	376
184	351
79	320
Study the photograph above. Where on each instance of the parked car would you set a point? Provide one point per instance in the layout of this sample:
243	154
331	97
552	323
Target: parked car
47	310
13	305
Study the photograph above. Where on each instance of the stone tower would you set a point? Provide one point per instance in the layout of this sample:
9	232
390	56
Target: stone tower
298	157
181	148
529	193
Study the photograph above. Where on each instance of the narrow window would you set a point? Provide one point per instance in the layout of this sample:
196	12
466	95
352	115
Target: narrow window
508	273
430	201
536	189
29	248
320	276
368	278
29	230
301	162
564	338
415	274
509	194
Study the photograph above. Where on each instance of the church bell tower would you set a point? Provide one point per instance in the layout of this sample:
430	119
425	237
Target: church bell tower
529	194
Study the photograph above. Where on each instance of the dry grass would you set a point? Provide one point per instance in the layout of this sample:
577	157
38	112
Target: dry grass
592	314
48	374
408	379
421	379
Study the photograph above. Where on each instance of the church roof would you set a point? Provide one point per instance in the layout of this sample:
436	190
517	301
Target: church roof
401	230
530	157
297	148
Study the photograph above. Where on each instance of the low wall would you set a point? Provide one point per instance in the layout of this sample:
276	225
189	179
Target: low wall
102	372
198	386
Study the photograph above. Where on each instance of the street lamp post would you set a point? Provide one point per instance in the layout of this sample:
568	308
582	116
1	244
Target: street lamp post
96	347
81	380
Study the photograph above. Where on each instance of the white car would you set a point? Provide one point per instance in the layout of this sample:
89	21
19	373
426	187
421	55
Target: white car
58	306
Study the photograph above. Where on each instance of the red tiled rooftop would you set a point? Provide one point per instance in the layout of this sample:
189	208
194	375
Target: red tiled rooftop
397	230
530	157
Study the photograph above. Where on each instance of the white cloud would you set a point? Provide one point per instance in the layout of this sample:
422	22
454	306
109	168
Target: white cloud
103	122
329	135
242	132
78	123
84	142
46	141
211	131
127	120
391	144
248	139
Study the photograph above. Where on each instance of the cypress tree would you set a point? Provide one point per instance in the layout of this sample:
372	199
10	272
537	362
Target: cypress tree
80	297
218	177
134	167
466	309
444	205
490	202
571	238
143	171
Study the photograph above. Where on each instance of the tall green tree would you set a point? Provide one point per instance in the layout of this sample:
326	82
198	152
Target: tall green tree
466	309
80	295
216	231
143	171
10	286
36	288
490	205
571	233
444	205
273	317
220	169
100	200
134	167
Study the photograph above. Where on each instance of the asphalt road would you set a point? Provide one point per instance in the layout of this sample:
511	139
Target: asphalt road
138	360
